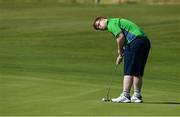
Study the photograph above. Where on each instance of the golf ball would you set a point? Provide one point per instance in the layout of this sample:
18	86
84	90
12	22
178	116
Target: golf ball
103	99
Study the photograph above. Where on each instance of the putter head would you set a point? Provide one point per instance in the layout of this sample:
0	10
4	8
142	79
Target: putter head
105	100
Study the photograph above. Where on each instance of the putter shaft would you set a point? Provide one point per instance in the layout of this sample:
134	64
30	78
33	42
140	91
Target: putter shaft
107	97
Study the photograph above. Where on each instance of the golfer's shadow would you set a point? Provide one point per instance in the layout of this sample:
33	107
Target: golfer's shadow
176	103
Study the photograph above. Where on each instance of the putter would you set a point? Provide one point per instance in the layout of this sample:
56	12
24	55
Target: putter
107	99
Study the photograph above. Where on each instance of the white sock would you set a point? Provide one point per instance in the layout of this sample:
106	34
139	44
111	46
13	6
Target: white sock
137	93
125	93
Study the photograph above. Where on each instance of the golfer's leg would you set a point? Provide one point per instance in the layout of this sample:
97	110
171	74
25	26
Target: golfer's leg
125	96
127	83
137	82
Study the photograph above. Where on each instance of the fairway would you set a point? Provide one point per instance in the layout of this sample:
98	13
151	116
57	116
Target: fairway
52	62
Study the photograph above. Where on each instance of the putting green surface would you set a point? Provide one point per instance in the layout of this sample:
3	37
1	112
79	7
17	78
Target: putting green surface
52	62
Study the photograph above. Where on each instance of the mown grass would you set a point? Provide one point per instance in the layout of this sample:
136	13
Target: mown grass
52	62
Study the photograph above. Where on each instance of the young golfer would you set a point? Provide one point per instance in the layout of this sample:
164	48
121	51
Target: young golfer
132	45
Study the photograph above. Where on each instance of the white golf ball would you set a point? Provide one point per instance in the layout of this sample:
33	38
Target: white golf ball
103	99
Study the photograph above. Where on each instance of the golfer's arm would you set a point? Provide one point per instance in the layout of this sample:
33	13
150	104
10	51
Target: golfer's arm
120	41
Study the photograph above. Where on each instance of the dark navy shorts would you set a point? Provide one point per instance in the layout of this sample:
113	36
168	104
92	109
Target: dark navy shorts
135	56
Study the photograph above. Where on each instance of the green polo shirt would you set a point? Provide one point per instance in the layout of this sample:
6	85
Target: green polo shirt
130	30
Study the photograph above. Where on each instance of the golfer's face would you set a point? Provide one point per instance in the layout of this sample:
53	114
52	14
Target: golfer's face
101	24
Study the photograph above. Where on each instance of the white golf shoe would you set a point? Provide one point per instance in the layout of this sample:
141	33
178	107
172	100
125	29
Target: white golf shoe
136	99
121	99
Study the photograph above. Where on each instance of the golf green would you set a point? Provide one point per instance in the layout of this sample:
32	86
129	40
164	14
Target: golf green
52	62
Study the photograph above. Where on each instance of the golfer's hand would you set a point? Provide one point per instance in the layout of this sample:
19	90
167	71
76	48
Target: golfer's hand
121	52
119	59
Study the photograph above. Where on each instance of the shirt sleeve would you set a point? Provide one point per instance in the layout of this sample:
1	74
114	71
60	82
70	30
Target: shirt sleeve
115	29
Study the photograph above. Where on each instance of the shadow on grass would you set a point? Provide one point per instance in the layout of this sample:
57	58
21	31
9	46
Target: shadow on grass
177	103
